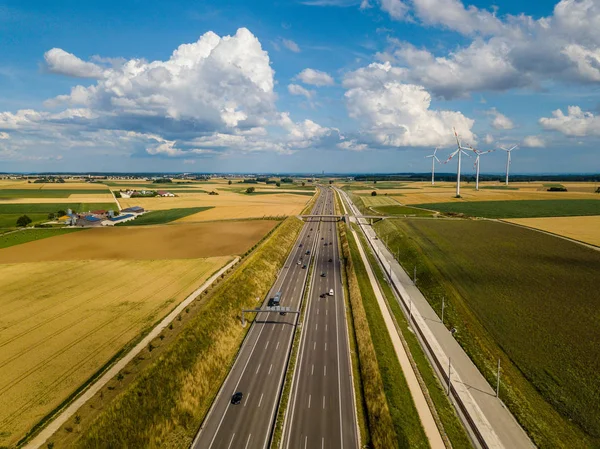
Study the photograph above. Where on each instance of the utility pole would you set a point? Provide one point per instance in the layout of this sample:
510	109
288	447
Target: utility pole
449	374
443	310
498	379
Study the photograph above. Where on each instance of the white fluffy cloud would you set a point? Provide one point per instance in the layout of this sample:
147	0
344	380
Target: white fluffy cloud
395	114
213	96
576	123
533	142
296	89
291	45
64	63
315	77
397	9
489	139
500	121
505	53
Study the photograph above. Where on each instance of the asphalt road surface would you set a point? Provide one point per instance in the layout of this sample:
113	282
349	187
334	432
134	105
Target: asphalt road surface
321	411
259	368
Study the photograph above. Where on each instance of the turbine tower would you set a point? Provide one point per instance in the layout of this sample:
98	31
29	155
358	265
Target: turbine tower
476	165
433	159
460	150
508	151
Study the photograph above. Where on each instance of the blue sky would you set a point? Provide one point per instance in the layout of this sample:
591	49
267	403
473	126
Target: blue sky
303	86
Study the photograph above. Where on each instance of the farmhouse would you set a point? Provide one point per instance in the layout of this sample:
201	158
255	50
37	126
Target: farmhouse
119	219
133	209
164	193
89	221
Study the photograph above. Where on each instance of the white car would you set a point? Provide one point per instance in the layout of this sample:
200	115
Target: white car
330	292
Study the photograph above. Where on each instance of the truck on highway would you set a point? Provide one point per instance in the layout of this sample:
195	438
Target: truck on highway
276	300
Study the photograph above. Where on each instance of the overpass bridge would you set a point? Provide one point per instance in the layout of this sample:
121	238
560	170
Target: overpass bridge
345	218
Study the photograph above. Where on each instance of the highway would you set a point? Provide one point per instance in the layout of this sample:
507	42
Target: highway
321	412
259	368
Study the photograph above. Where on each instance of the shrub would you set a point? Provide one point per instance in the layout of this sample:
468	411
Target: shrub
373	193
23	221
250	190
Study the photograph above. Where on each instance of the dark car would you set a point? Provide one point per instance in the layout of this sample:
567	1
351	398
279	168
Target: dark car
323	274
304	267
300	245
322	238
322	295
237	398
330	260
325	243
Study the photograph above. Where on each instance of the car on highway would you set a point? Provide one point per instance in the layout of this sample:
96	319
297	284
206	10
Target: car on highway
304	267
322	238
300	246
322	295
307	253
325	244
330	292
299	262
237	398
323	274
330	260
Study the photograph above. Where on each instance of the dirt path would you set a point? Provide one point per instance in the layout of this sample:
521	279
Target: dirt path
64	416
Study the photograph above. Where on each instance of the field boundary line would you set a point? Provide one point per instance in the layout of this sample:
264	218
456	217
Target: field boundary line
92	389
543	231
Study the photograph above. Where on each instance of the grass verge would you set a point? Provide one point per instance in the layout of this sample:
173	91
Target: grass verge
164	216
404	416
443	409
382	433
165	405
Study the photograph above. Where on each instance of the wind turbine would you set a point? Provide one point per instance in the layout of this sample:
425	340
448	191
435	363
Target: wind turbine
460	150
433	159
508	151
476	165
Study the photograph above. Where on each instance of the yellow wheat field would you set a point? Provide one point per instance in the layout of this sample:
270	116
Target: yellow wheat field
20	184
379	200
227	205
187	241
62	321
584	229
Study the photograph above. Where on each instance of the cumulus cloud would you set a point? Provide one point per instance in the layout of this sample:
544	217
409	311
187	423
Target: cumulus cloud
315	77
291	45
64	63
533	142
500	121
505	52
576	123
397	114
210	97
397	9
296	89
489	139
352	145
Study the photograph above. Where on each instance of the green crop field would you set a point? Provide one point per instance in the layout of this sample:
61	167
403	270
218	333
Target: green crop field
519	208
46	208
164	216
525	297
378	200
6	194
403	210
10	220
29	235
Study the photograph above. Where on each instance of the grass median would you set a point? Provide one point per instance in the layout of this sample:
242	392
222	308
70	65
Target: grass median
166	404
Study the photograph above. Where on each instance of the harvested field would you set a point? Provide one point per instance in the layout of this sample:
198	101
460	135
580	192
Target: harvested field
378	200
20	184
188	241
523	296
584	229
42	207
14	194
520	209
70	201
59	330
